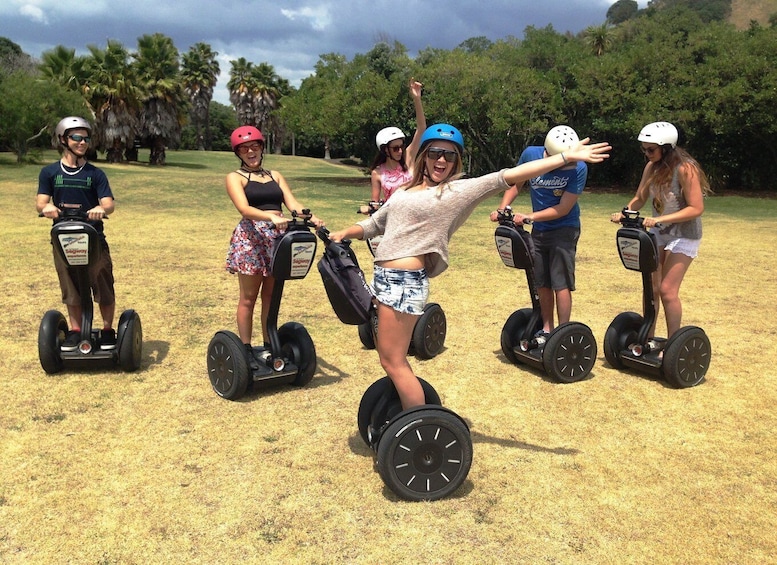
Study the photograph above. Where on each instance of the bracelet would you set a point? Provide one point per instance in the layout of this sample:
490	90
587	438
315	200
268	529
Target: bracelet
563	157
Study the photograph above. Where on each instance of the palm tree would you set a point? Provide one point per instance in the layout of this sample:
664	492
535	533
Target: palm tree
199	73
157	70
114	99
264	92
599	38
240	87
60	65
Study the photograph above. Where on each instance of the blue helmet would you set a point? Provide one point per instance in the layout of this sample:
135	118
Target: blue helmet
443	132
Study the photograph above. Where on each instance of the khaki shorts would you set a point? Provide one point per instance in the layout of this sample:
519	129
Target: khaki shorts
100	277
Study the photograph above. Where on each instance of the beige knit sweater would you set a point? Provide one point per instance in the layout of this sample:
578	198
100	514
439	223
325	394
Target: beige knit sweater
421	223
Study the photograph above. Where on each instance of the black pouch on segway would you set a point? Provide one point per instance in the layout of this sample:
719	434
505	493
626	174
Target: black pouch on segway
344	283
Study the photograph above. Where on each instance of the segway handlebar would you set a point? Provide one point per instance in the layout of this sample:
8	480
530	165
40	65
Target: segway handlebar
506	217
370	208
323	235
632	219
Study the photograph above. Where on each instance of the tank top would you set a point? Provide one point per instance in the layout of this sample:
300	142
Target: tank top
392	179
266	196
674	200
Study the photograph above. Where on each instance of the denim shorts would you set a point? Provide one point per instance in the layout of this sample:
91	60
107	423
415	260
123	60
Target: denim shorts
404	291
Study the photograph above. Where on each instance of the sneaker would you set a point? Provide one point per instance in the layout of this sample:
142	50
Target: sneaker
71	340
253	364
108	339
541	337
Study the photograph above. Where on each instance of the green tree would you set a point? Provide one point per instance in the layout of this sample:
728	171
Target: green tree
199	73
621	11
29	108
162	115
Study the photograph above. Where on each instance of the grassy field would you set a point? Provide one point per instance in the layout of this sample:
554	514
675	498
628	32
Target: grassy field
101	466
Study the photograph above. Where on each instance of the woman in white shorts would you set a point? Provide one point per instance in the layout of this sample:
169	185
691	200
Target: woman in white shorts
676	184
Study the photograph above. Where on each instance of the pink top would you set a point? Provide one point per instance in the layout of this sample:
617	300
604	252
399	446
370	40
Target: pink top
391	179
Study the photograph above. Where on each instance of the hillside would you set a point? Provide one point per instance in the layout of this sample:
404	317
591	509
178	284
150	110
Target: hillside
744	11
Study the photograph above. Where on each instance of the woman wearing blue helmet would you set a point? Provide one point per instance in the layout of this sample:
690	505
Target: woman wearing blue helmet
417	224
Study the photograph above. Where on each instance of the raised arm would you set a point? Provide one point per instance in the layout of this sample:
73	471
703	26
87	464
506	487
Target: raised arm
420	121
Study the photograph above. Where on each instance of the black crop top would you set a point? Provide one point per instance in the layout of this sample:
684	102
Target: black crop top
266	196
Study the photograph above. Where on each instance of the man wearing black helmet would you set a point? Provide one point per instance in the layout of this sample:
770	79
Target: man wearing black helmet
73	182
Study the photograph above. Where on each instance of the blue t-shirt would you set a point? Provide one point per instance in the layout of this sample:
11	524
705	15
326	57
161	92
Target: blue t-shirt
68	187
546	190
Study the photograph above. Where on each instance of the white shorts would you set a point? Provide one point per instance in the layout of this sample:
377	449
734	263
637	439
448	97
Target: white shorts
682	245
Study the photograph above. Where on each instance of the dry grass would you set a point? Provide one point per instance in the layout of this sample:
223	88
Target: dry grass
100	466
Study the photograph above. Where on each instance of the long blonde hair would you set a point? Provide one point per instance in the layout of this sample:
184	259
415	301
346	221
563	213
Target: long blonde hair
662	172
419	169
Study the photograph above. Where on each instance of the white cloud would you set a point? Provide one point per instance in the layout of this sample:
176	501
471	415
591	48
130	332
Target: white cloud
34	13
319	16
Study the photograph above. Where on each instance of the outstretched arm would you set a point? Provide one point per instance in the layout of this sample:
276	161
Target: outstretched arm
595	153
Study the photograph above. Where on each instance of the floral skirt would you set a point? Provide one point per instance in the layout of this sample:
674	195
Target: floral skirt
251	246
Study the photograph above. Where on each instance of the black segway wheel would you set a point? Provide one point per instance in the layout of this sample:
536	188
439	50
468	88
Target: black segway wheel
429	332
298	347
389	408
570	352
425	454
623	331
686	357
130	341
51	334
367	331
514	327
227	365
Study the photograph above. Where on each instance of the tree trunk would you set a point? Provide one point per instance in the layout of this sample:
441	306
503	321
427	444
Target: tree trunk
157	156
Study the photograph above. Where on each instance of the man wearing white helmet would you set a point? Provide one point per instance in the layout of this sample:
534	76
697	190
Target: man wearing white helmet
676	185
556	230
390	169
73	182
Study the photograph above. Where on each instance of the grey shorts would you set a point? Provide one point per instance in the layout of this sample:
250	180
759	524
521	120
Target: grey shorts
405	291
554	257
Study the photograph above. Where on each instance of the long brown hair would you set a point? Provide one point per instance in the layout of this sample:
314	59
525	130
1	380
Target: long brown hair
662	172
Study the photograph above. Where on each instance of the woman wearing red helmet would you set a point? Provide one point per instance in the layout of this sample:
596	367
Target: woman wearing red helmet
258	194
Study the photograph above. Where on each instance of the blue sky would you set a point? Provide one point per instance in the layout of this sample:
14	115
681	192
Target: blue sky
290	35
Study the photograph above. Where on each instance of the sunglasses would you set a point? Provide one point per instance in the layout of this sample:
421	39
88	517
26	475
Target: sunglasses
649	150
396	147
435	153
79	138
250	147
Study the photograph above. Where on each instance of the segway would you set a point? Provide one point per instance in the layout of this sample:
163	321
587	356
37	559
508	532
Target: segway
78	243
430	328
291	355
683	359
423	453
569	352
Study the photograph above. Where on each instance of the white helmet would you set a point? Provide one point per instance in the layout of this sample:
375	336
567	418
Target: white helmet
561	138
72	122
387	135
660	133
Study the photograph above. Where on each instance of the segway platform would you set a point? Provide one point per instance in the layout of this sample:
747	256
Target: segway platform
569	352
291	355
78	243
683	359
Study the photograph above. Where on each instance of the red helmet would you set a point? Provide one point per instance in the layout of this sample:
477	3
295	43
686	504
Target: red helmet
244	134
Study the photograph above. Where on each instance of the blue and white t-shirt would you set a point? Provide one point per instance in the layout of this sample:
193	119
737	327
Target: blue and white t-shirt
546	190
